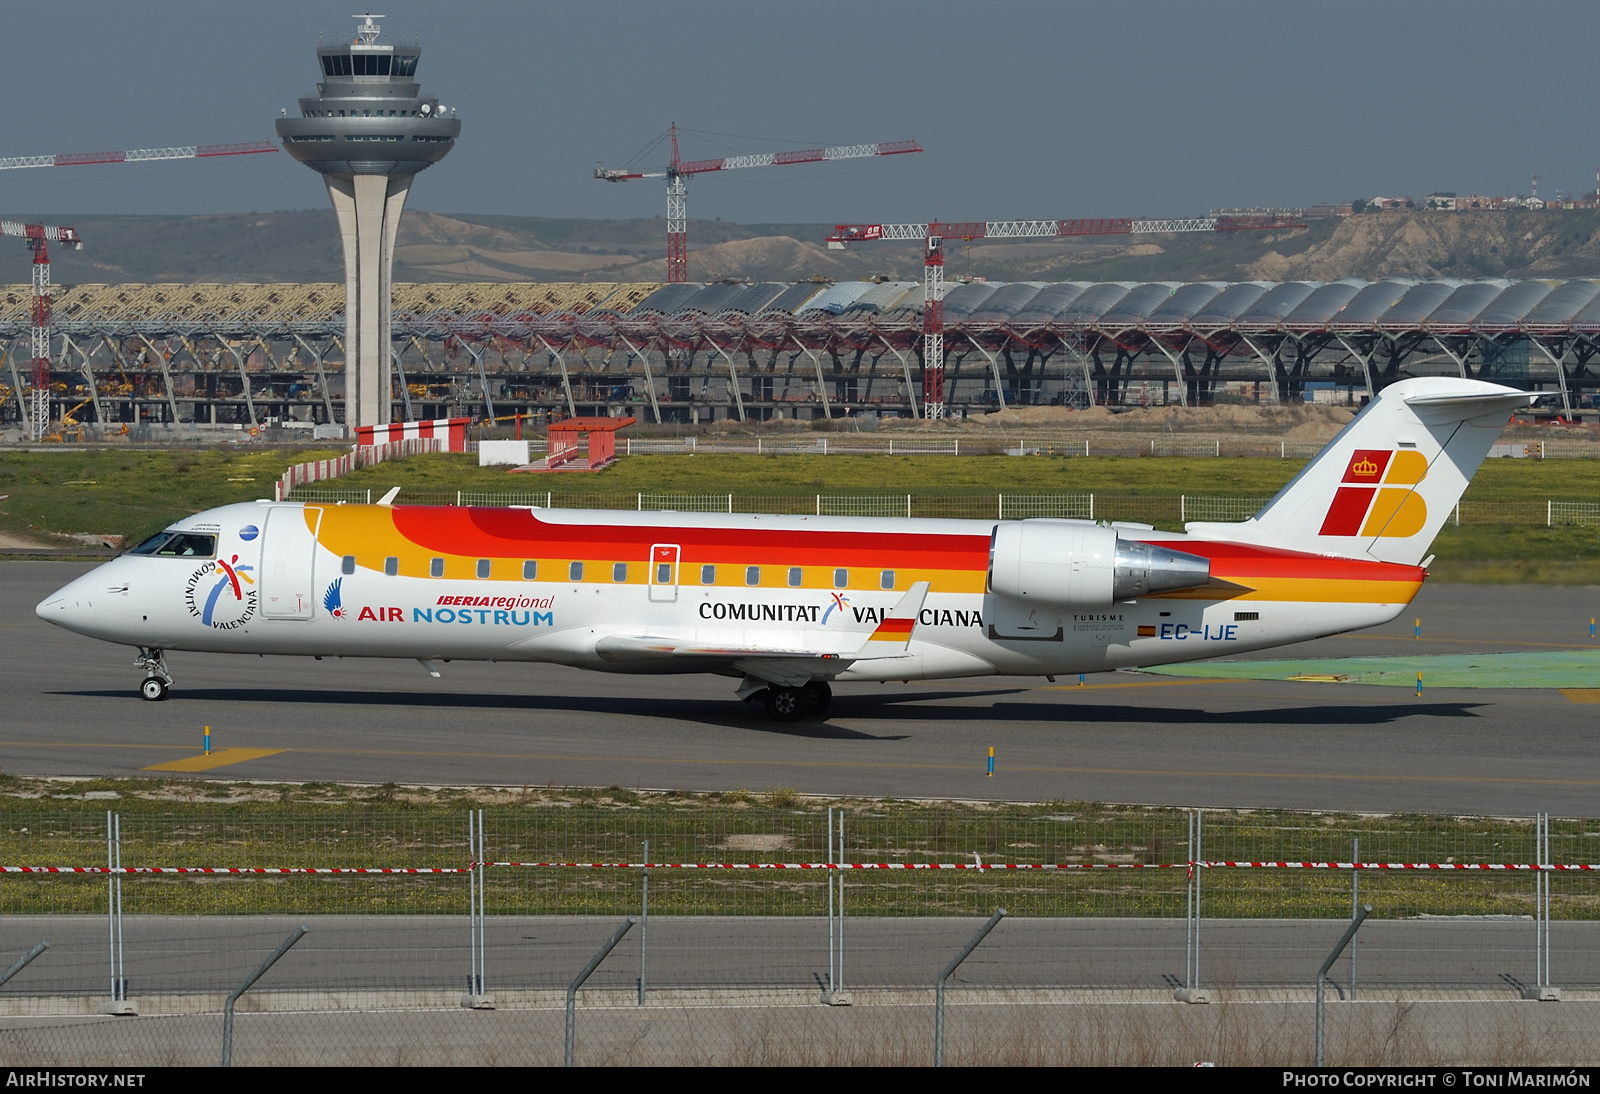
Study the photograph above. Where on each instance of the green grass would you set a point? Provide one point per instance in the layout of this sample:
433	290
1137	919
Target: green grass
135	493
198	823
131	493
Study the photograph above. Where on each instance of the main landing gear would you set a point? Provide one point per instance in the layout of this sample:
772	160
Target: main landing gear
156	677
785	704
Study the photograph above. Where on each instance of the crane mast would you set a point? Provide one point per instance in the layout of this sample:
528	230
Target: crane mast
678	171
933	235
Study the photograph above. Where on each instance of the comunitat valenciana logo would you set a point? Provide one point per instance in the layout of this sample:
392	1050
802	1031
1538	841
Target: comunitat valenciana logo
221	594
1378	495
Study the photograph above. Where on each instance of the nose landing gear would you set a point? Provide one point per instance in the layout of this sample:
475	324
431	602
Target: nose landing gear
156	677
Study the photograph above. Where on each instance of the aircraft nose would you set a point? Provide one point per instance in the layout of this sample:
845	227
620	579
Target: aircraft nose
67	606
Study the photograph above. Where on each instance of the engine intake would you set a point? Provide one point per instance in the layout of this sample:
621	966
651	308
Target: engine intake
1075	564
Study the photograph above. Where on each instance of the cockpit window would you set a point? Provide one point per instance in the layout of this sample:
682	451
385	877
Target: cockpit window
186	545
151	545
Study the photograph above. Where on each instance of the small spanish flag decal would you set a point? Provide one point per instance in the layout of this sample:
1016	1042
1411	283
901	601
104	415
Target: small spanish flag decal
1147	631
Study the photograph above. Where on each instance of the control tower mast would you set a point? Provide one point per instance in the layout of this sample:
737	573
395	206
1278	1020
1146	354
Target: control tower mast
368	131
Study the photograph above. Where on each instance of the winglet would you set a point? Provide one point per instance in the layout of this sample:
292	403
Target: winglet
894	633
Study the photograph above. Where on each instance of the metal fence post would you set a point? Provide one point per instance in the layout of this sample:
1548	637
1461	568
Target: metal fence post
477	997
1542	990
119	1003
22	962
644	921
572	988
472	908
949	970
1322	973
1355	906
227	1011
1192	992
836	995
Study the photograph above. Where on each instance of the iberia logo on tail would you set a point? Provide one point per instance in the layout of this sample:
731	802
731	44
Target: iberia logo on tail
1378	495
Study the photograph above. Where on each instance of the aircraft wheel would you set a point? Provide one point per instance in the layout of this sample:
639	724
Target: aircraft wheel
788	704
821	696
154	689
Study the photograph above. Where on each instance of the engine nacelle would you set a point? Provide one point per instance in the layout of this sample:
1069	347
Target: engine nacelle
1075	564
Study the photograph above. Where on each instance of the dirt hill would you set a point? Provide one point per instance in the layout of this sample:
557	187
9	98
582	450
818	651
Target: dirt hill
303	246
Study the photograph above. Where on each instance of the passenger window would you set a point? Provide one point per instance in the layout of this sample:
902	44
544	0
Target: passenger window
708	575
347	565
436	568
752	575
619	571
574	571
391	566
841	579
530	570
664	574
483	567
794	577
886	579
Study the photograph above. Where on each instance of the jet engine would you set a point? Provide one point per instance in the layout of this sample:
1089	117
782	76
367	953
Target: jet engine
1075	564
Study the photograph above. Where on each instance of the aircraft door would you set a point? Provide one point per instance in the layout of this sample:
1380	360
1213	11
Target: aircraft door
288	585
664	573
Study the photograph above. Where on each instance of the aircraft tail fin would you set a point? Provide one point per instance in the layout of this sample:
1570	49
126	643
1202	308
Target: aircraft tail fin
1387	483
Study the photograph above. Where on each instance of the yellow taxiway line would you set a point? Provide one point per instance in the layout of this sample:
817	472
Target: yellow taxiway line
222	757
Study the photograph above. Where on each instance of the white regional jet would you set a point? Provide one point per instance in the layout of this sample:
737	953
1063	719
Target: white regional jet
788	604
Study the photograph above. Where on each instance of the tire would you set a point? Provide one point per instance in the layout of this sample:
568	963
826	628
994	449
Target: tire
821	696
154	689
788	704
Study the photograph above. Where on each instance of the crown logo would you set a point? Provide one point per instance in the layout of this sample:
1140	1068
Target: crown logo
1365	468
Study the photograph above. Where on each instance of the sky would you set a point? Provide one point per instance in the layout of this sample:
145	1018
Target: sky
1025	109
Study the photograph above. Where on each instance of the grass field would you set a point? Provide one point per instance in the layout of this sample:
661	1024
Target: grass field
194	823
135	493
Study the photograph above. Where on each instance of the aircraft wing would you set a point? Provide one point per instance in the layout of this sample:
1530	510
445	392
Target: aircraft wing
776	664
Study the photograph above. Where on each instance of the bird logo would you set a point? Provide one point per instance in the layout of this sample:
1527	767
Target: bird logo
332	601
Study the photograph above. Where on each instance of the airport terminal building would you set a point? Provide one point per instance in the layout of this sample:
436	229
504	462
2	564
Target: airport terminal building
257	355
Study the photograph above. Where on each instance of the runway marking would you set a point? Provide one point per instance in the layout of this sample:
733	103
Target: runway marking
1582	695
1473	642
1139	684
222	757
853	764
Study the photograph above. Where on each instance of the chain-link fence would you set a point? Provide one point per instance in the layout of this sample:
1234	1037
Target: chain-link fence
769	929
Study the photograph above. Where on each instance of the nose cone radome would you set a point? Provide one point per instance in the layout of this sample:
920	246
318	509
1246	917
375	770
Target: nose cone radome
71	606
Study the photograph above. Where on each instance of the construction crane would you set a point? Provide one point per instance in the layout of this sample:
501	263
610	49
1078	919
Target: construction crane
678	171
36	408
137	155
934	234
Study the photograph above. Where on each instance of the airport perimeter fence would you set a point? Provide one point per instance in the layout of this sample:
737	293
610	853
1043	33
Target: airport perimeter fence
766	930
1144	508
1129	444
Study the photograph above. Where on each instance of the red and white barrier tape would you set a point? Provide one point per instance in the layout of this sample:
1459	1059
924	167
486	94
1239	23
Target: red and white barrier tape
976	867
235	870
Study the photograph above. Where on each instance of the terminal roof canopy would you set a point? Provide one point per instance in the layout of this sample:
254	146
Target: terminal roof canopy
1447	307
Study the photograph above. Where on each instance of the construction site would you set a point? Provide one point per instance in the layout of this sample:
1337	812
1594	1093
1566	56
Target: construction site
256	356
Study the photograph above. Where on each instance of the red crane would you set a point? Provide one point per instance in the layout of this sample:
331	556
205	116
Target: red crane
678	171
39	236
934	234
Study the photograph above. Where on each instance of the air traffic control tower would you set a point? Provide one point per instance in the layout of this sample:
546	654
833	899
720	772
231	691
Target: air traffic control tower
368	131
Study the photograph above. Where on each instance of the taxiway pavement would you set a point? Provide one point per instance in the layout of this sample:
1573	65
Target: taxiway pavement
70	708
